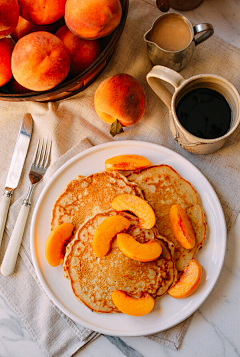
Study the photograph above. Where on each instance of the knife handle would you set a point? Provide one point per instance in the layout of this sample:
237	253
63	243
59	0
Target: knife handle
10	257
4	207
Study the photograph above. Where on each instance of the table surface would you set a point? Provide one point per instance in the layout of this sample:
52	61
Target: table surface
214	329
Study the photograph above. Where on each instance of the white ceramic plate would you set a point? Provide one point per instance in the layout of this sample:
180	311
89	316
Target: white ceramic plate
167	311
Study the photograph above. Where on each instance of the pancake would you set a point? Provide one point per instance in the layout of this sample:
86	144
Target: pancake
93	279
162	187
84	197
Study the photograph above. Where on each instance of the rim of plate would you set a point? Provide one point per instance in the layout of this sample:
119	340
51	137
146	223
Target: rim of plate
91	150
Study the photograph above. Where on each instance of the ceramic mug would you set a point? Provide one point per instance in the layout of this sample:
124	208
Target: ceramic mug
160	74
176	59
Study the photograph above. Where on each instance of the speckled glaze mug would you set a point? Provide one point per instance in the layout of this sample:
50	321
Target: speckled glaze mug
160	74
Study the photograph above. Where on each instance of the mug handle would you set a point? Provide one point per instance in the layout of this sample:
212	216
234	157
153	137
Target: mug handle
207	28
167	75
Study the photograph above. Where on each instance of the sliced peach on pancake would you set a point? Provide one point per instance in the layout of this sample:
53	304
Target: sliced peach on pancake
106	231
188	282
142	252
138	206
127	162
132	306
57	239
182	227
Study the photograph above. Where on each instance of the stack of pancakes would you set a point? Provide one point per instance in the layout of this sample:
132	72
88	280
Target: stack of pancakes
86	202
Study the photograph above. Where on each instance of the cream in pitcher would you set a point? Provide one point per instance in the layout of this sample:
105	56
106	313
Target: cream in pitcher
171	40
171	33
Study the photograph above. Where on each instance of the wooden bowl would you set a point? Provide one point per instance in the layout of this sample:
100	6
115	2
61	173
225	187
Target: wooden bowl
75	85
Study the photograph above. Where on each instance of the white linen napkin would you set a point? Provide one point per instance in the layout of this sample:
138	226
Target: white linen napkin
53	331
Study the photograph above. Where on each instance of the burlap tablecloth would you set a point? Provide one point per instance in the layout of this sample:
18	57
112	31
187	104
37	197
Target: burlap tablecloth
73	125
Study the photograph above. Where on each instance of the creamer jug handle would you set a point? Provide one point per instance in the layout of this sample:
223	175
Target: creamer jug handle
159	74
207	31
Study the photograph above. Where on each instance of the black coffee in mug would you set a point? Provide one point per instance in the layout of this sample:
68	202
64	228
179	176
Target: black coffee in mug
205	113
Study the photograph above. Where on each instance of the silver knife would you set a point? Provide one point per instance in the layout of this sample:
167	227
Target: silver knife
15	170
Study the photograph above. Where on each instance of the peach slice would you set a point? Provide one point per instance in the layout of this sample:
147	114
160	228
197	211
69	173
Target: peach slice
138	206
127	162
57	239
106	231
142	252
182	227
132	306
188	282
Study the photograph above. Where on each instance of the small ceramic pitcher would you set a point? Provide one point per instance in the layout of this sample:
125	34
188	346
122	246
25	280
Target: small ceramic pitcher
176	60
160	74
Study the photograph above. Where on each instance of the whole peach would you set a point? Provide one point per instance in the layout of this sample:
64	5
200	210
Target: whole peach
92	19
24	27
9	13
120	97
40	61
42	12
5	61
82	52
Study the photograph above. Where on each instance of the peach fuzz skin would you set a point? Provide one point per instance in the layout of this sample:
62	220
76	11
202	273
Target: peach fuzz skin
132	306
57	239
24	27
92	19
5	61
82	52
16	88
105	233
42	12
40	61
188	282
120	97
9	13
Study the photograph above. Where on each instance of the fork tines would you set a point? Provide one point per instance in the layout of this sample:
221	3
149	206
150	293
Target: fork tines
42	154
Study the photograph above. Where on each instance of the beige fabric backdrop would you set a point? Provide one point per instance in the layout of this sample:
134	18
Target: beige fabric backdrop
69	121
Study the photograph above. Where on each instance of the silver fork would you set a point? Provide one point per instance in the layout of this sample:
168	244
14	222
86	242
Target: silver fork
40	163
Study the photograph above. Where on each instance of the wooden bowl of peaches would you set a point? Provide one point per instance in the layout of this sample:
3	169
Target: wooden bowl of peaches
54	49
